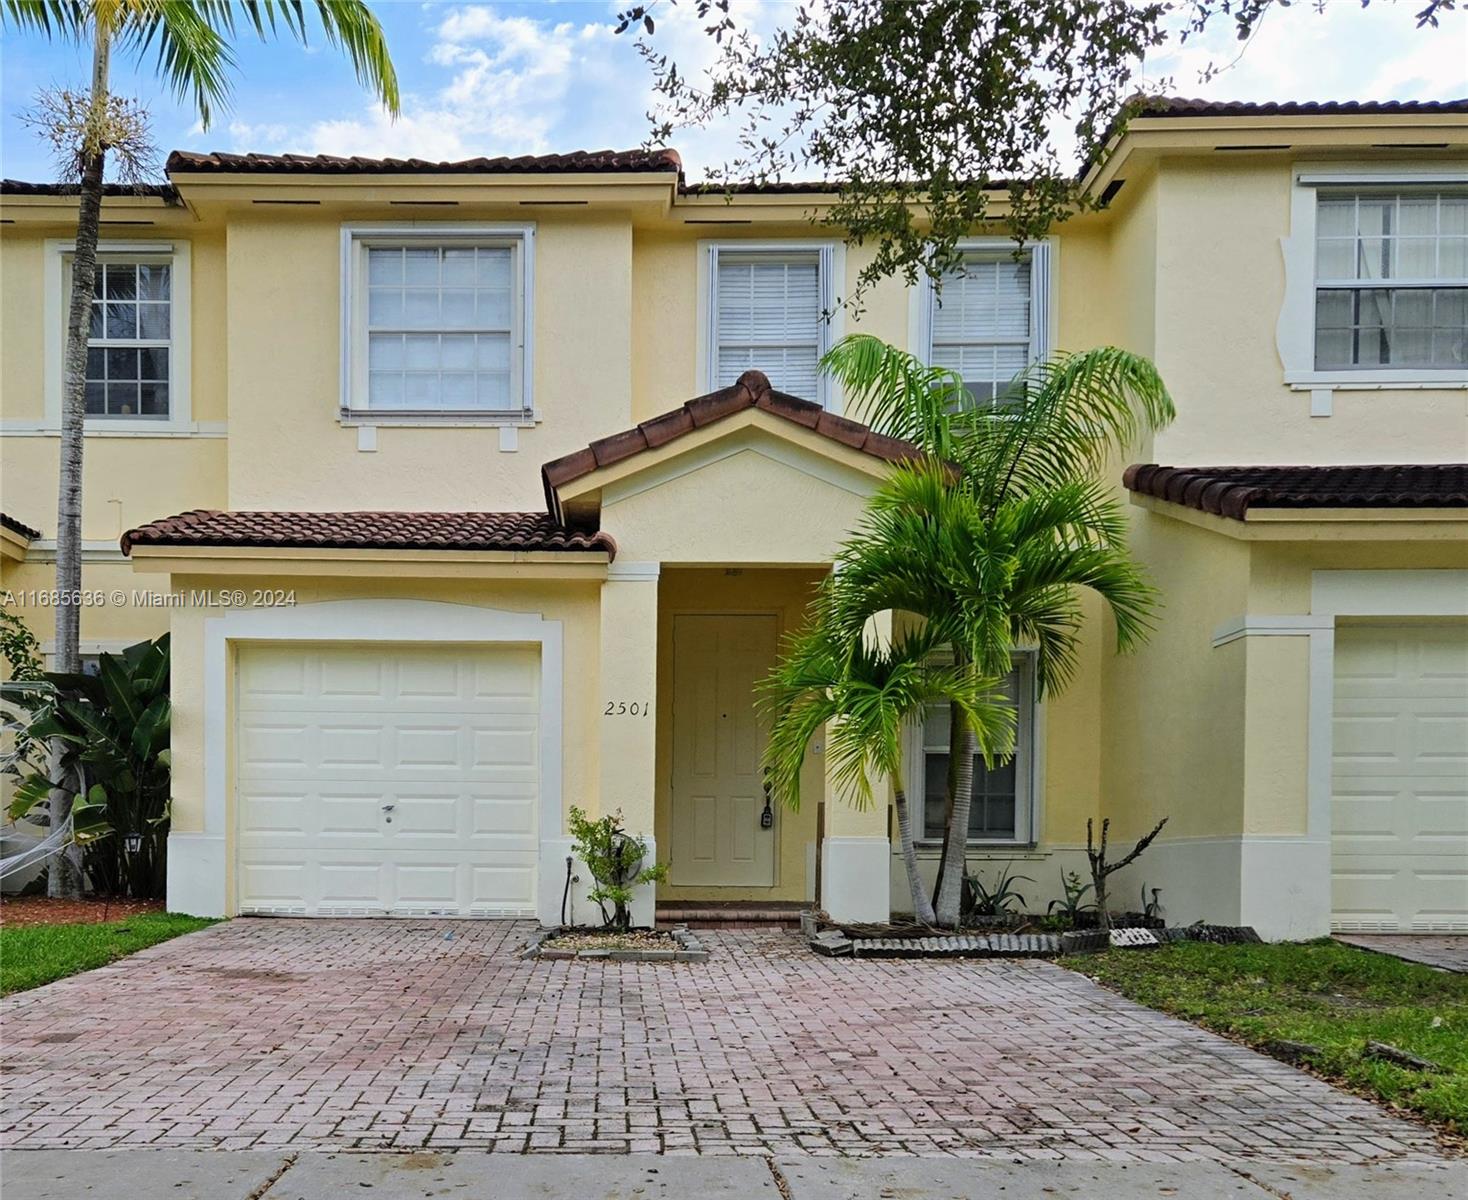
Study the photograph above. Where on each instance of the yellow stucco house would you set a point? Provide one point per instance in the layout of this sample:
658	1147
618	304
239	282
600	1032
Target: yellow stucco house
404	455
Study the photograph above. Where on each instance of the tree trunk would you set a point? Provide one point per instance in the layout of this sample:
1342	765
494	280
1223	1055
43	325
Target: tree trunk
953	722
922	907
950	896
65	875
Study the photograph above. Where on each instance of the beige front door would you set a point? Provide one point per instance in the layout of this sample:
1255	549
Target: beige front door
718	794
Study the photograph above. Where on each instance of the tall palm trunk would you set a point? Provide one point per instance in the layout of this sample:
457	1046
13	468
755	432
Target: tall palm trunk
954	717
65	875
922	908
955	846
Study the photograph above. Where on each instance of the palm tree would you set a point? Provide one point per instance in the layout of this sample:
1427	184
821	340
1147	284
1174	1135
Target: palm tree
194	59
864	694
992	541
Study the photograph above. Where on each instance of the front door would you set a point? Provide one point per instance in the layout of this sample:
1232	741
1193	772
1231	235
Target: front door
718	794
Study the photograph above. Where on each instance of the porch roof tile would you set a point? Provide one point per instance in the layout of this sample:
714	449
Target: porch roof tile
1232	491
502	531
751	390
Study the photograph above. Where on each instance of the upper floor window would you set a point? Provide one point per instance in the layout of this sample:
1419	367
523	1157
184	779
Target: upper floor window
990	318
130	344
138	353
1002	796
437	323
769	311
1391	280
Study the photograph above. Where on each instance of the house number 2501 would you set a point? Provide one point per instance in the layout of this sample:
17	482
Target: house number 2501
627	708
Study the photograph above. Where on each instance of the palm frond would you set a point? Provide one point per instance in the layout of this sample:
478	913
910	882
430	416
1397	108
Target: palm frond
54	18
897	394
194	56
1067	416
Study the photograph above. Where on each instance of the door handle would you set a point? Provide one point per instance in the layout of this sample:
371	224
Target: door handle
767	818
388	807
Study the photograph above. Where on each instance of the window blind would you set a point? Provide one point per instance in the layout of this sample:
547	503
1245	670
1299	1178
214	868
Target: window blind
768	316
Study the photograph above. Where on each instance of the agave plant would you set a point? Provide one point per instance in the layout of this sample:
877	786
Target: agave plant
106	739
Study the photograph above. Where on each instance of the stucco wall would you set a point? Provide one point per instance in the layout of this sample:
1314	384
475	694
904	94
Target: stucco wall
287	446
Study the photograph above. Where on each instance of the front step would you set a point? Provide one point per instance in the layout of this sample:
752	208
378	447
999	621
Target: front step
730	914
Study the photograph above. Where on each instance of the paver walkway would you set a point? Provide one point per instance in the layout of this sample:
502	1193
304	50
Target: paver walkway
1446	950
311	1035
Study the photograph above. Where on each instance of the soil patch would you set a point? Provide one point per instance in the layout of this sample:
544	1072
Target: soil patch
92	910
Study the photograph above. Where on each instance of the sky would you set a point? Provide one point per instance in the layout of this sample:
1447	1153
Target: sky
516	78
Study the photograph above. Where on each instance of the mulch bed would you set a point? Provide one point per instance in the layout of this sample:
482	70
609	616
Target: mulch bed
636	939
43	910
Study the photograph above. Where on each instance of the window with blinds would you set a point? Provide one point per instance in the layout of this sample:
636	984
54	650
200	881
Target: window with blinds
768	313
986	321
1391	280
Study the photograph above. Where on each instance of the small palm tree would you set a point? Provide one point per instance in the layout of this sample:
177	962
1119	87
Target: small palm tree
194	58
992	540
864	694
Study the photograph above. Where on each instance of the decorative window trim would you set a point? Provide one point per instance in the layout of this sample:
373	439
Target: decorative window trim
1295	328
832	255
180	410
1044	262
1028	774
355	238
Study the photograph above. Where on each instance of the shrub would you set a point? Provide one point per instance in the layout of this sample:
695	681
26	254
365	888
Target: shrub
614	857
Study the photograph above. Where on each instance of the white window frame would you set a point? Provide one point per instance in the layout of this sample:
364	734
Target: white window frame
1043	265
831	258
1027	774
58	252
1295	329
355	241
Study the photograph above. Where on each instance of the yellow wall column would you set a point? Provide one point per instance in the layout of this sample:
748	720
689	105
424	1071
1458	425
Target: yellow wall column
856	851
627	704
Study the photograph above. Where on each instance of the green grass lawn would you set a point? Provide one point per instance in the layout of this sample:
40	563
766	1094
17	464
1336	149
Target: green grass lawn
31	955
1325	994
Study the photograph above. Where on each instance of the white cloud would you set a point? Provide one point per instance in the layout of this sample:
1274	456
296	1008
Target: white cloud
507	82
489	83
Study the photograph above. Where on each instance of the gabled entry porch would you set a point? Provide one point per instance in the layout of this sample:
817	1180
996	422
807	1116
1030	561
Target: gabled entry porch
726	514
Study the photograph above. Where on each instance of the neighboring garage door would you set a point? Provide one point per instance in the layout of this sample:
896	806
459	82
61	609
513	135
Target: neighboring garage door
381	779
1399	817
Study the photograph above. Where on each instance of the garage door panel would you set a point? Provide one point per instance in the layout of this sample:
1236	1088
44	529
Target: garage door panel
490	883
435	884
406	783
504	819
1399	813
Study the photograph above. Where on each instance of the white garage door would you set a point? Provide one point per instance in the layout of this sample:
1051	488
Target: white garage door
379	780
1399	818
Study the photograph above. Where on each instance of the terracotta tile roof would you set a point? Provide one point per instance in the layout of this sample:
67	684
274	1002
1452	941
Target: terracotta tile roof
597	162
1232	491
751	390
20	187
19	527
1183	106
515	531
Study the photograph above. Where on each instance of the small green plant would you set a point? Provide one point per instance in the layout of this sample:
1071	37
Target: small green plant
998	901
1075	905
614	857
19	648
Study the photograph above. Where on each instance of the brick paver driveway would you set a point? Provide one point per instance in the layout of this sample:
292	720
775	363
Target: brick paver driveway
399	1034
1446	951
